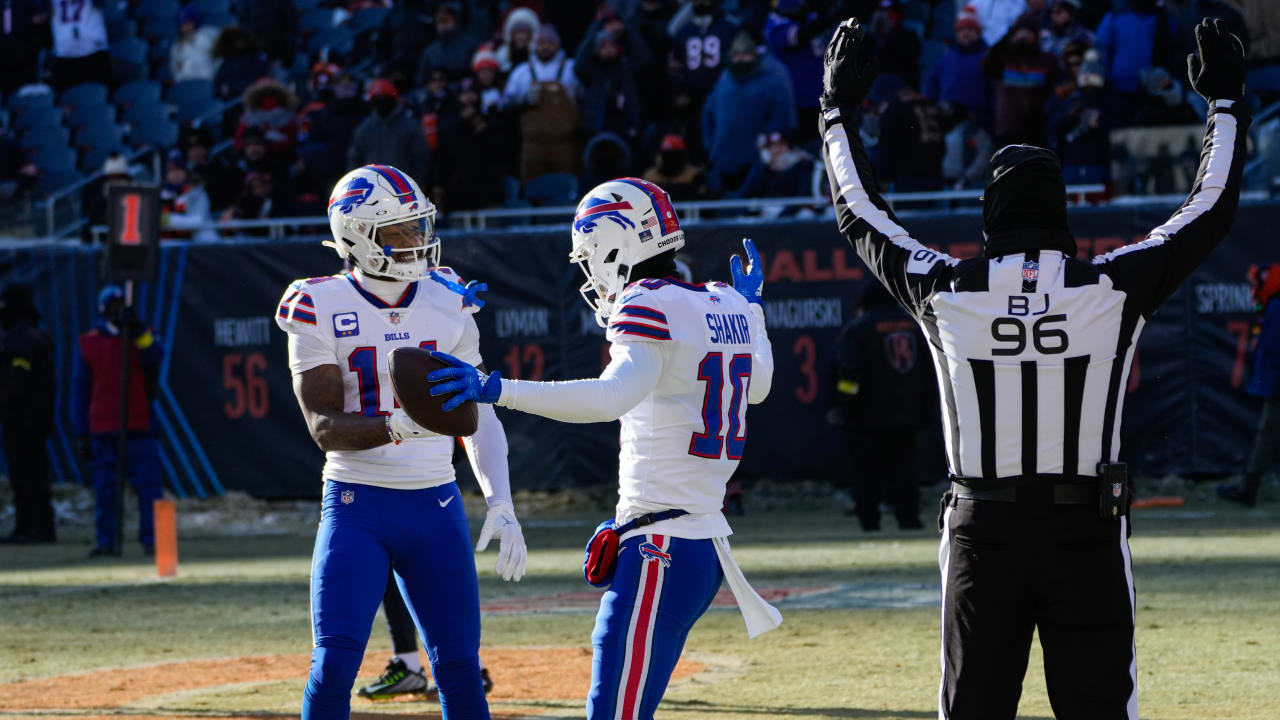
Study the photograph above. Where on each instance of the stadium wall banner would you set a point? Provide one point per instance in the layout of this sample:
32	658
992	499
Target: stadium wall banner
228	419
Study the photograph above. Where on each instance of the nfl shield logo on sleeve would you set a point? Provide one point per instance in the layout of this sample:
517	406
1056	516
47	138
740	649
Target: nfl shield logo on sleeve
348	497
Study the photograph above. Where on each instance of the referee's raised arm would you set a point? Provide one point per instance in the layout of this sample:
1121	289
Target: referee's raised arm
908	269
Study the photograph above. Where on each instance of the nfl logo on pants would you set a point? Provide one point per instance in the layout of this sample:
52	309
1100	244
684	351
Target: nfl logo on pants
348	497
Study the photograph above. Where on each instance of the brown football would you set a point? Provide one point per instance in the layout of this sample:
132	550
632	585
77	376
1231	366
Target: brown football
409	369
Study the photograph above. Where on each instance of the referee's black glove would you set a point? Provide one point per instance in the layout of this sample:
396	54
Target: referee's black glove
850	67
1218	72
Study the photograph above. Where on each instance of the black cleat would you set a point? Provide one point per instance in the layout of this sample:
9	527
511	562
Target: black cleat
397	680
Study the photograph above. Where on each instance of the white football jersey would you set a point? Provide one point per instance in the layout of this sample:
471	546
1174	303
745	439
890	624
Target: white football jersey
334	320
682	443
78	28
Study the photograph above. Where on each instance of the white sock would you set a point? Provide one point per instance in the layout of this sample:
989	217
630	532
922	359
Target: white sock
411	661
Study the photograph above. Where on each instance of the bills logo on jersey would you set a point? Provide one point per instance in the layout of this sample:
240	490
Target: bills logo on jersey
595	209
714	298
348	497
351	196
652	553
346	324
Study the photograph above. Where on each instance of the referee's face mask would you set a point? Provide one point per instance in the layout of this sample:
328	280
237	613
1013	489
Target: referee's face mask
1024	205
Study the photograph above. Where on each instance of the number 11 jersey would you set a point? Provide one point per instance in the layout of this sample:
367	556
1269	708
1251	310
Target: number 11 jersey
334	320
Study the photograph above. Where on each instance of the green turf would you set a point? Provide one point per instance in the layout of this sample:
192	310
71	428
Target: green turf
1208	579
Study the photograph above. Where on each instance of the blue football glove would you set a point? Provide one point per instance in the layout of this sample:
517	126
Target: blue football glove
470	292
465	380
750	284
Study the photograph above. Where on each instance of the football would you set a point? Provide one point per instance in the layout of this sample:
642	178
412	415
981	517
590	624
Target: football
409	369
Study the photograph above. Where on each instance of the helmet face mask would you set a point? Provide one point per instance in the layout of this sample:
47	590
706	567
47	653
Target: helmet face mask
384	224
618	225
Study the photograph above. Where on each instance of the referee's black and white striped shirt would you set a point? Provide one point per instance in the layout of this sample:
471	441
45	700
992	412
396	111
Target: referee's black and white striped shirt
1033	349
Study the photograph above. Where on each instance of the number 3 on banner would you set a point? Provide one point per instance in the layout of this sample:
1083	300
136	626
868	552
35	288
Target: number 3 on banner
129	232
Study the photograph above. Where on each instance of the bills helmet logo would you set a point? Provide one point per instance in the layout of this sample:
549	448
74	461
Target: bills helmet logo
348	497
595	209
652	553
351	196
1030	271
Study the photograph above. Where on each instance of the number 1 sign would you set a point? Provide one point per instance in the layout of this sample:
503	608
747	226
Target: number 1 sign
133	215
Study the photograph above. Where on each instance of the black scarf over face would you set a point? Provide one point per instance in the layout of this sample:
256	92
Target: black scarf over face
1024	206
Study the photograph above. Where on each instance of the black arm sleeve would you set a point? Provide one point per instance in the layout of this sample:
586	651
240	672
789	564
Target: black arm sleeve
910	271
1149	271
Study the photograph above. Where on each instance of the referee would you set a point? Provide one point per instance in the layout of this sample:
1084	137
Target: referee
1033	349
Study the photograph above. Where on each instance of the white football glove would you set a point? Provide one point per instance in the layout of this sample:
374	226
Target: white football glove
512	553
401	427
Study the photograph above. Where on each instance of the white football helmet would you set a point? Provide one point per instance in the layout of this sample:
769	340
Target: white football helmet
619	224
364	207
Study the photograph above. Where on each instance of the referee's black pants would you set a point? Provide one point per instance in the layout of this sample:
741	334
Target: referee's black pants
1009	568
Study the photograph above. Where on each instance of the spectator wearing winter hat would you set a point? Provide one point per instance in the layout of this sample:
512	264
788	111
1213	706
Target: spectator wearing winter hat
748	100
1024	77
957	84
184	204
451	49
607	74
796	33
783	170
674	172
191	57
543	92
898	49
1064	28
390	135
484	70
272	109
519	33
1080	125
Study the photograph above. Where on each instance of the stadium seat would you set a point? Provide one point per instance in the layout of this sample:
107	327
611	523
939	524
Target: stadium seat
218	20
129	59
58	159
189	111
44	136
19	102
210	7
367	19
315	21
149	10
338	40
145	112
87	115
83	94
159	51
158	132
90	137
160	29
51	181
121	27
36	116
138	93
552	189
189	91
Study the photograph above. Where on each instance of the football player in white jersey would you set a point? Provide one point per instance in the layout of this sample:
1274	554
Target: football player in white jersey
390	500
686	360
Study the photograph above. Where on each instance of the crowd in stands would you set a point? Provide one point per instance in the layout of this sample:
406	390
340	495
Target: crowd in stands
258	106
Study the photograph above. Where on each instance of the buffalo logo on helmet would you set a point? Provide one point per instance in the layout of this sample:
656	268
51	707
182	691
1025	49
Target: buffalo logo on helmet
595	209
351	196
652	553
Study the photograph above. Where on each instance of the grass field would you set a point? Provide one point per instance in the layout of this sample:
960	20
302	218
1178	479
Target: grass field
229	636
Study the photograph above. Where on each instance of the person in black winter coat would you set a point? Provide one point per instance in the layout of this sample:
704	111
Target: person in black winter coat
26	415
606	69
473	156
884	394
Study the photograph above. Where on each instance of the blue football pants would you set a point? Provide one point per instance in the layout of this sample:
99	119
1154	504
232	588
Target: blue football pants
661	587
423	536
